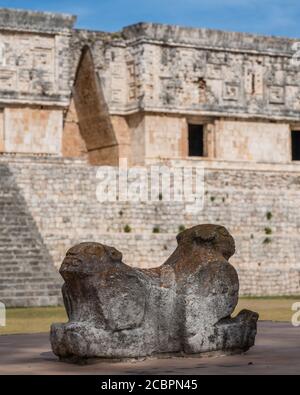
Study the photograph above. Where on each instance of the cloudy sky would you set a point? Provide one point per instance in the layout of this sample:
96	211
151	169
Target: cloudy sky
279	17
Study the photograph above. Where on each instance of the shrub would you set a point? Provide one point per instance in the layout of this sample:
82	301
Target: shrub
267	240
127	229
269	215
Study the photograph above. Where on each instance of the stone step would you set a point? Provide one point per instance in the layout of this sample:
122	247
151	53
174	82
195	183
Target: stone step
29	267
27	275
32	301
28	285
28	293
17	288
19	273
33	284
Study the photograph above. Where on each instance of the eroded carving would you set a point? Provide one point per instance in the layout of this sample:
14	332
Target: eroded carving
183	306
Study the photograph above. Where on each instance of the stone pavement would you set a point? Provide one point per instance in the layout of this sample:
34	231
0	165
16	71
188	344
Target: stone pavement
277	351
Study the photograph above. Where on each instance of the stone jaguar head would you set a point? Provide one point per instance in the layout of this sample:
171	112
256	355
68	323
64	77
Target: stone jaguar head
89	258
211	236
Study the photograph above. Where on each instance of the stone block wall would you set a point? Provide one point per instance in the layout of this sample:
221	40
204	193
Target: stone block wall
258	204
252	141
34	80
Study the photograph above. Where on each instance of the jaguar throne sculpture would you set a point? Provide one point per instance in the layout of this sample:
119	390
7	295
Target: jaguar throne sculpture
183	307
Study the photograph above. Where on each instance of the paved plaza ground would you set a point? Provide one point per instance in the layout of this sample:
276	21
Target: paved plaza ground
277	351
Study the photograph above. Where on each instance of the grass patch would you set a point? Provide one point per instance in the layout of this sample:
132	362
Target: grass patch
39	319
269	308
32	319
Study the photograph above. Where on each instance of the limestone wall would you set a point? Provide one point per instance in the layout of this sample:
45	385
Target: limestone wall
31	130
259	205
35	57
166	137
252	141
34	80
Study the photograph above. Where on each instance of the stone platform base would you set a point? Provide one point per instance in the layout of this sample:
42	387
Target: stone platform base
277	351
156	357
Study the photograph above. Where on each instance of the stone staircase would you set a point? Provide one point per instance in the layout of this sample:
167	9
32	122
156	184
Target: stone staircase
27	274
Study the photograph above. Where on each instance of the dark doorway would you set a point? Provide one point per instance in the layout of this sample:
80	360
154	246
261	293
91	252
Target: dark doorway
196	140
296	145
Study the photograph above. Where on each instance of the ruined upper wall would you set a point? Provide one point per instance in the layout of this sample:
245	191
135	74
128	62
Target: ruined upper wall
207	38
32	21
161	68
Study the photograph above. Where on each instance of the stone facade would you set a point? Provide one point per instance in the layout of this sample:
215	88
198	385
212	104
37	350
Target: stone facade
72	98
240	87
34	80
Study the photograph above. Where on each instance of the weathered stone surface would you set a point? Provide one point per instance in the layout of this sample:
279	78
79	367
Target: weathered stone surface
27	277
42	22
152	81
185	305
94	121
241	198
